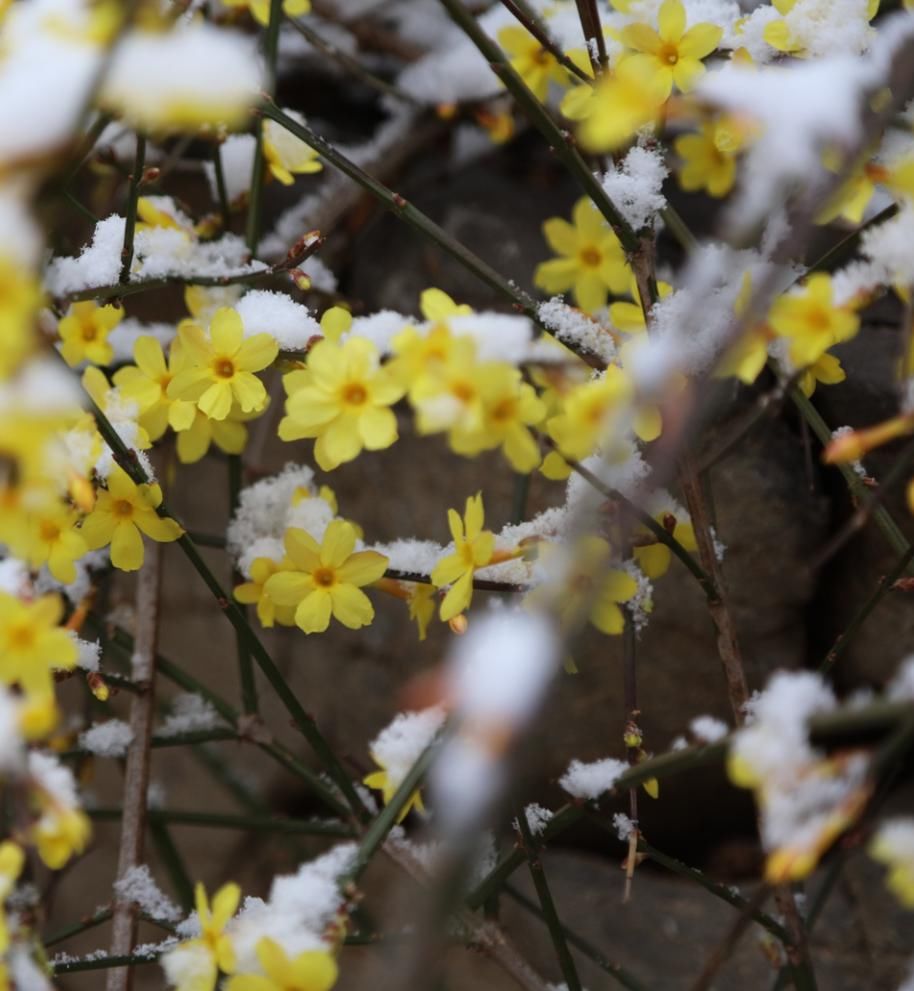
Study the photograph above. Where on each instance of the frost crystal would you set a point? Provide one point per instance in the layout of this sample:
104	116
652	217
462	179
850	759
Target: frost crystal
138	887
635	185
591	780
108	739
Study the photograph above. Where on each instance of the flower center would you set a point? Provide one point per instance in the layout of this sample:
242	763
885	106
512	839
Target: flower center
464	391
541	57
48	530
89	332
669	54
21	637
324	577
355	394
818	319
165	381
591	257
122	508
224	368
503	410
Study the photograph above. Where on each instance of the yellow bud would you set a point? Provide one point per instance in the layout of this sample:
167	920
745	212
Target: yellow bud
38	716
652	787
98	686
458	624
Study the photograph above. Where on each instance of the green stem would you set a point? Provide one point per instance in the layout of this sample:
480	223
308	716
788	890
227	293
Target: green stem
224	207
549	914
104	963
531	21
84	925
558	140
618	973
245	667
171	857
377	831
136	178
132	288
224	820
722	891
258	170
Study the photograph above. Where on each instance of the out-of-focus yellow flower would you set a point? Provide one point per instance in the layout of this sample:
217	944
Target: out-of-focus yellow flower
260	9
811	321
20	297
778	34
854	445
286	154
320	580
313	970
335	321
893	845
654	557
52	539
381	781
826	369
591	260
533	63
32	643
84	333
629	317
612	110
586	413
709	157
124	511
60	834
671	54
12	858
253	593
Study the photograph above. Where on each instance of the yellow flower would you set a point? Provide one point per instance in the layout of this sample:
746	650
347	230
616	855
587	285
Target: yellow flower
342	398
122	511
285	153
826	369
893	845
12	858
60	834
146	384
335	321
20	297
194	965
229	435
32	643
509	408
220	369
260	9
592	260
629	317
84	332
313	970
586	413
672	54
435	304
746	358
612	110
473	548
381	781
326	579
811	321
253	593
421	603
709	157
778	34
533	63
52	539
654	557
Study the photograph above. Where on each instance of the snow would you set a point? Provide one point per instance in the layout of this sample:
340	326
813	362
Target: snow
537	817
138	887
497	675
237	155
189	713
576	329
263	507
901	687
11	742
107	739
593	779
635	185
414	556
399	745
159	252
195	73
53	778
124	336
89	654
274	313
624	826
707	729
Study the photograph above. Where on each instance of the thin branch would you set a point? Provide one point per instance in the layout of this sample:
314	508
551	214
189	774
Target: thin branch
589	16
224	820
136	776
136	178
529	19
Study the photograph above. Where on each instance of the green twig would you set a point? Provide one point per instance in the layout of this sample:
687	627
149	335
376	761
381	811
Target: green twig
136	178
224	820
171	857
245	667
558	140
224	207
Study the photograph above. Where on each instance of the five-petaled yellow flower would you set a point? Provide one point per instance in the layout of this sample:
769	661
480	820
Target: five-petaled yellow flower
533	63
672	54
343	398
32	643
473	548
219	369
709	157
194	965
253	593
146	383
811	321
84	333
592	261
326	579
313	970
122	512
286	154
52	539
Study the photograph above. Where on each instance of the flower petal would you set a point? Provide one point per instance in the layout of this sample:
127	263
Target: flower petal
363	568
338	543
313	612
126	547
351	606
226	331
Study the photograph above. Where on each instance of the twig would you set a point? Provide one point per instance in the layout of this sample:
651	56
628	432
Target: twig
223	820
529	19
558	140
245	667
593	32
727	945
136	776
549	914
136	178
